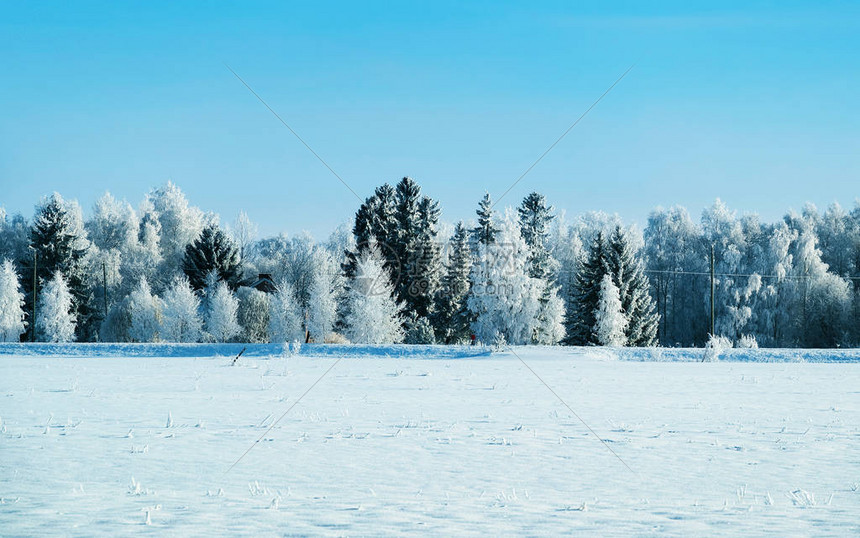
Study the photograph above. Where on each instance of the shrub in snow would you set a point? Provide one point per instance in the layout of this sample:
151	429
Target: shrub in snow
145	311
253	315
610	322
747	341
285	323
373	316
11	304
181	316
715	347
419	331
55	313
221	308
295	347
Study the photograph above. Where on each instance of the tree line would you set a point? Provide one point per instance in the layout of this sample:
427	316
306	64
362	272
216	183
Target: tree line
168	271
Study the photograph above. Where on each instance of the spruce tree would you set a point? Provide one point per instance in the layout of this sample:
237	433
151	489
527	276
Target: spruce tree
585	294
60	244
212	251
452	319
485	232
55	320
633	287
610	322
534	219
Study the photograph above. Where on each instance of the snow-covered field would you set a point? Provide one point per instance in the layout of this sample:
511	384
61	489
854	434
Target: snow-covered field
425	440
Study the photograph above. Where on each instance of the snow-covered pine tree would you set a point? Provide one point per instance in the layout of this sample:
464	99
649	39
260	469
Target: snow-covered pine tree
11	304
61	245
452	320
585	294
181	320
485	232
423	267
146	314
610	322
55	317
285	320
376	224
634	289
213	250
534	219
373	315
253	315
221	309
504	300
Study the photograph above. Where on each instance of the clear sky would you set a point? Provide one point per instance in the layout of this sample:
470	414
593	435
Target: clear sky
753	102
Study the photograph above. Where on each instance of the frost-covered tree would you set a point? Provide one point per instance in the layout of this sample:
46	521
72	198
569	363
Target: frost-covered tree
253	315
285	320
179	224
504	299
145	310
212	251
243	232
373	314
485	232
221	312
181	320
610	321
677	263
452	320
61	244
535	217
55	318
628	274
376	226
14	237
585	294
322	307
11	304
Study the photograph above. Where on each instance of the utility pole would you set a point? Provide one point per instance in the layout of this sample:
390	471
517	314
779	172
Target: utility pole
33	326
712	289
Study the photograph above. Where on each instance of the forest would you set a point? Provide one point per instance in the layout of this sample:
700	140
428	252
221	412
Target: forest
167	271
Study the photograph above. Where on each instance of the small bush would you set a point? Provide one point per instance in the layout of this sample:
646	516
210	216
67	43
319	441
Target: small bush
715	347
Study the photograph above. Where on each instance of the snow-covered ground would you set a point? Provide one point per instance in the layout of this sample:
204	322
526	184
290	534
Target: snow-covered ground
425	439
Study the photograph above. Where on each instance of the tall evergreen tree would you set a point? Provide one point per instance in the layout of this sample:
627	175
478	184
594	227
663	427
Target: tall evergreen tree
633	287
485	232
534	218
585	294
452	320
212	251
60	244
55	320
375	224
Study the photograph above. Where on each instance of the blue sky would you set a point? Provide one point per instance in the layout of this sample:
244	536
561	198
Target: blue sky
753	102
